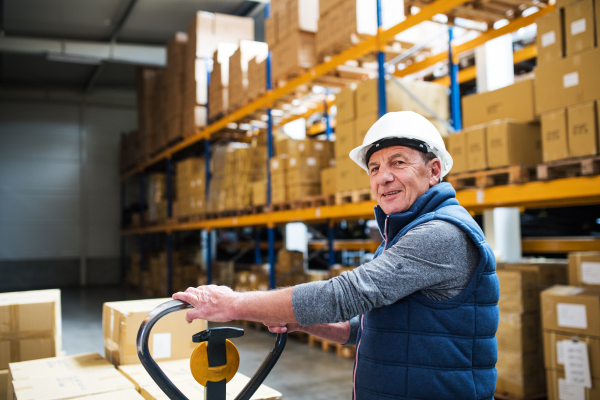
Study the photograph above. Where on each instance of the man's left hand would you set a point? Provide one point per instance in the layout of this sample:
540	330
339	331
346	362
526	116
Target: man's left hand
212	303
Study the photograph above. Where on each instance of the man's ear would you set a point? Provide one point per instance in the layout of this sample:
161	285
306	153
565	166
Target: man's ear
435	166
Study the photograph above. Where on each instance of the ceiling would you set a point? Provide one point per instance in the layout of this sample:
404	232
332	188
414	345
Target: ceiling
149	22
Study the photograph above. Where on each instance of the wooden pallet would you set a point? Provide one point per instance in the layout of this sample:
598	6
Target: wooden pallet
353	196
326	345
191	218
568	168
491	177
314	201
286	205
508	396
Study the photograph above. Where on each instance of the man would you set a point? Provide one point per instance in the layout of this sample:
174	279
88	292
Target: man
424	312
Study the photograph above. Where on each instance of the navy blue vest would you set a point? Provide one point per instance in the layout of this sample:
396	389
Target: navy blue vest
418	348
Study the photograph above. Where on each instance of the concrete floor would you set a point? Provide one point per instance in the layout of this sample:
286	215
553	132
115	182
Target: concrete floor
302	372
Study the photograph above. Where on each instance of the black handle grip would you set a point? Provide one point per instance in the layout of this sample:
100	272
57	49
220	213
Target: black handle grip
165	383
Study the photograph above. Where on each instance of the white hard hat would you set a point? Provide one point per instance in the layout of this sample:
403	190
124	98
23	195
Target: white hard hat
404	125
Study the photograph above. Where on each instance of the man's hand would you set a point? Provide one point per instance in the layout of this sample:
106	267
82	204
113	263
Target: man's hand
275	327
212	303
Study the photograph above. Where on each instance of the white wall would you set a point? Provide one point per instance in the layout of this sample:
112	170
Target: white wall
59	181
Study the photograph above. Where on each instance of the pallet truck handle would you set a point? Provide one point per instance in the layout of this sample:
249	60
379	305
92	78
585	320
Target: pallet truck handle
163	381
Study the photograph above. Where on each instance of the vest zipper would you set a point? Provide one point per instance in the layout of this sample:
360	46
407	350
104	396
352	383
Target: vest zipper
385	235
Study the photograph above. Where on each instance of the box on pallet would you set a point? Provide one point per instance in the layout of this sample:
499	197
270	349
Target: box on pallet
457	147
31	325
519	290
584	269
434	95
559	388
554	352
345	103
289	268
555	144
513	143
549	38
515	102
238	71
4	382
366	99
328	181
207	30
582	130
476	148
567	82
571	309
350	176
293	54
345	138
170	339
176	371
579	27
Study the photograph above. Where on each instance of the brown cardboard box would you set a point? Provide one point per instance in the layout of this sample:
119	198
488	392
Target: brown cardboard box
326	5
303	176
555	142
4	384
363	124
556	380
345	104
31	325
271	33
193	390
583	130
515	102
547	273
345	172
170	339
513	143
571	309
457	147
519	291
300	191
345	138
71	386
433	95
518	332
322	150
551	338
520	374
259	193
176	371
563	3
567	82
579	27
366	98
584	269
278	164
328	181
127	394
476	150
549	38
296	50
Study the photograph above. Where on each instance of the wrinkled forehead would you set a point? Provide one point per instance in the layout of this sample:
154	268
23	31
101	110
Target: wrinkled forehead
391	152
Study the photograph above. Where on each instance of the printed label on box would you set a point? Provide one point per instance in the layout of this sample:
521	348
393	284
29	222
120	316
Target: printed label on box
311	161
566	391
571	315
161	346
577	364
318	146
578	26
292	162
590	273
548	38
275	164
571	79
301	147
560	352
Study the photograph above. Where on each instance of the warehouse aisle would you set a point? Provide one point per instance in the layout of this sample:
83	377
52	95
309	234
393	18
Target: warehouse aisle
302	373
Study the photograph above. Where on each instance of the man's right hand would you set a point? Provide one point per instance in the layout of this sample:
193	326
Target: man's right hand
275	327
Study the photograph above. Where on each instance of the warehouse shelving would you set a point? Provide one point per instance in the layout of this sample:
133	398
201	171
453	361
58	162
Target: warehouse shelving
553	193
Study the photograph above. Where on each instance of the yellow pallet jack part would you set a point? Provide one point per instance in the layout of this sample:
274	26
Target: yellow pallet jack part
202	373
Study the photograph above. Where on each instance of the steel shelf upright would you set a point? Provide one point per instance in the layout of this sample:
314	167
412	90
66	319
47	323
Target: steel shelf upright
207	179
382	103
454	87
270	227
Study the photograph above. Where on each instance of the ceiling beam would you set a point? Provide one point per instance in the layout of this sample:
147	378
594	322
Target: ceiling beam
83	52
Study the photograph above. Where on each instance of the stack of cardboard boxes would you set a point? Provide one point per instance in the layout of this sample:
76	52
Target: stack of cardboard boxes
174	86
132	151
257	278
147	93
307	158
500	130
520	353
289	270
240	74
570	316
290	34
567	84
190	186
219	81
157	198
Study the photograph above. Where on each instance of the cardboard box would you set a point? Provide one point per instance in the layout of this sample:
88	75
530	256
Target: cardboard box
513	143
193	390
457	147
31	326
515	102
292	54
4	384
171	337
520	374
547	273
127	394
567	82
300	191
583	130
476	150
549	38
345	104
552	340
579	27
271	33
571	309
555	141
433	95
176	371
71	386
303	176
556	385
363	124
259	193
278	164
346	174
584	269
518	332
519	291
328	181
345	138
366	98
303	15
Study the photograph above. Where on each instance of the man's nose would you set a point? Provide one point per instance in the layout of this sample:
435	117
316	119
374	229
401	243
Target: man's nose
384	176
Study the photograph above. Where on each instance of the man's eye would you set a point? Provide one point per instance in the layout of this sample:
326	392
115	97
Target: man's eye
399	162
374	169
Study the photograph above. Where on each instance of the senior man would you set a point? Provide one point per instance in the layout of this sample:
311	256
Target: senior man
424	312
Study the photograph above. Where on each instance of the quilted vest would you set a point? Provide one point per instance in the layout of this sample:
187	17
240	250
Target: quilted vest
418	348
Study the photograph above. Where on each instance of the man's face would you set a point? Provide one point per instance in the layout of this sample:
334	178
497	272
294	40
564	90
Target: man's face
399	176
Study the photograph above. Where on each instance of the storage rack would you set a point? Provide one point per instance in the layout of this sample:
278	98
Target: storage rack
570	191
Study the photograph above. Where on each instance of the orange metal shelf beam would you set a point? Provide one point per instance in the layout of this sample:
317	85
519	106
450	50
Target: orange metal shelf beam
560	244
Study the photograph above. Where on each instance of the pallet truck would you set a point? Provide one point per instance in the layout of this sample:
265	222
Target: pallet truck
213	363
